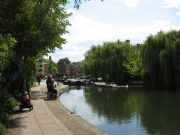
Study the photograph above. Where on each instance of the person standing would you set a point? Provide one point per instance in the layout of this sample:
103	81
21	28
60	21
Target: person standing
49	81
107	79
24	87
38	79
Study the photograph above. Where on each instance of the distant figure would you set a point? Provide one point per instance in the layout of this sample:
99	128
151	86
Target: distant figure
107	79
38	79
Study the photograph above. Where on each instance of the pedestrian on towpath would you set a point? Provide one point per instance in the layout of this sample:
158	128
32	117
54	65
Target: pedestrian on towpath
38	79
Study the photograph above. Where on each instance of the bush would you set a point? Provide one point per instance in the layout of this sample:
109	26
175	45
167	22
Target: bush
4	119
3	130
7	105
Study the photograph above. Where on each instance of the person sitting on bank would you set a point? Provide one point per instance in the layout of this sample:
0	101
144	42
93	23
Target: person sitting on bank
52	89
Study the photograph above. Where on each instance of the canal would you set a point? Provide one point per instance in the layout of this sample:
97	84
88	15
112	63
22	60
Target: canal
126	111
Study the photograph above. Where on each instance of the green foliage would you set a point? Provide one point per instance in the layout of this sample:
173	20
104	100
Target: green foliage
118	59
28	70
7	105
37	26
28	29
54	69
133	65
78	75
160	57
6	45
37	66
3	130
45	23
52	66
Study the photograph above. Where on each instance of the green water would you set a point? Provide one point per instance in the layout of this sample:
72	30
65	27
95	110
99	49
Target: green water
126	111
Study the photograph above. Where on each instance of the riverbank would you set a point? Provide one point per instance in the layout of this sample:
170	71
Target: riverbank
49	117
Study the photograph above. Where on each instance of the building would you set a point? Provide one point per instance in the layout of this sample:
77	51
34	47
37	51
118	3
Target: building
86	56
72	70
63	66
78	67
44	67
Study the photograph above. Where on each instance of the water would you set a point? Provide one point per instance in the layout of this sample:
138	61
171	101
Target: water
126	111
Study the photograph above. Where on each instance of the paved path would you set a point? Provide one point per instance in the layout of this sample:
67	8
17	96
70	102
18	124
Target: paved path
40	121
49	117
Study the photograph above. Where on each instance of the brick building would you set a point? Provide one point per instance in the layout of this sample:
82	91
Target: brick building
63	66
78	67
72	70
44	67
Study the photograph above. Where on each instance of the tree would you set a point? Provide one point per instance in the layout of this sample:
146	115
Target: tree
161	59
115	59
36	27
6	44
78	2
52	66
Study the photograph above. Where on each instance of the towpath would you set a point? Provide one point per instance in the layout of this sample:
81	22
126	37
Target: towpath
48	117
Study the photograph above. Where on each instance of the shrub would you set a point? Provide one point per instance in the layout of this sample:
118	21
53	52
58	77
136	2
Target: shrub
7	105
3	130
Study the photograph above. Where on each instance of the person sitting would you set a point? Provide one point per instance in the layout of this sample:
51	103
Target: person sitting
52	89
26	98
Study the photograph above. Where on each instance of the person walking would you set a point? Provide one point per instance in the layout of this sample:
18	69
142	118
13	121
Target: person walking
107	79
38	79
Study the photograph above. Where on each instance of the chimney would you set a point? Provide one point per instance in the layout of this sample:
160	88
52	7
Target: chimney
49	58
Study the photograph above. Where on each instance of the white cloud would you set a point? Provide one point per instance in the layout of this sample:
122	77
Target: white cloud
85	32
171	3
71	11
178	13
89	29
131	3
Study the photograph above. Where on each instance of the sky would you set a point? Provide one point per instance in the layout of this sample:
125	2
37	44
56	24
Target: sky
96	22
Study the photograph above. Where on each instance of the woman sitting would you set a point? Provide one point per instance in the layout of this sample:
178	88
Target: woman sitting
52	89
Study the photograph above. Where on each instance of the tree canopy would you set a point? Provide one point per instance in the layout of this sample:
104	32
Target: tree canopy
28	29
115	59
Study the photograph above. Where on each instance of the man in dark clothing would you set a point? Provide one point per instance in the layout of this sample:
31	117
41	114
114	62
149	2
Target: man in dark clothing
49	80
52	89
38	79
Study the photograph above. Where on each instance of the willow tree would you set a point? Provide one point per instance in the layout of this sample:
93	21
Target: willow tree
160	55
108	59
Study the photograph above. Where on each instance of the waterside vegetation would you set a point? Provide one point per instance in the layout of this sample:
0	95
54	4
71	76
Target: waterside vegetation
156	61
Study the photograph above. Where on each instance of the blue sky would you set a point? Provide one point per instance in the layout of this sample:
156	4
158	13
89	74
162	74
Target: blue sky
96	22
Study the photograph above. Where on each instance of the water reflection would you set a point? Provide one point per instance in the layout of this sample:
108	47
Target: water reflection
121	111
